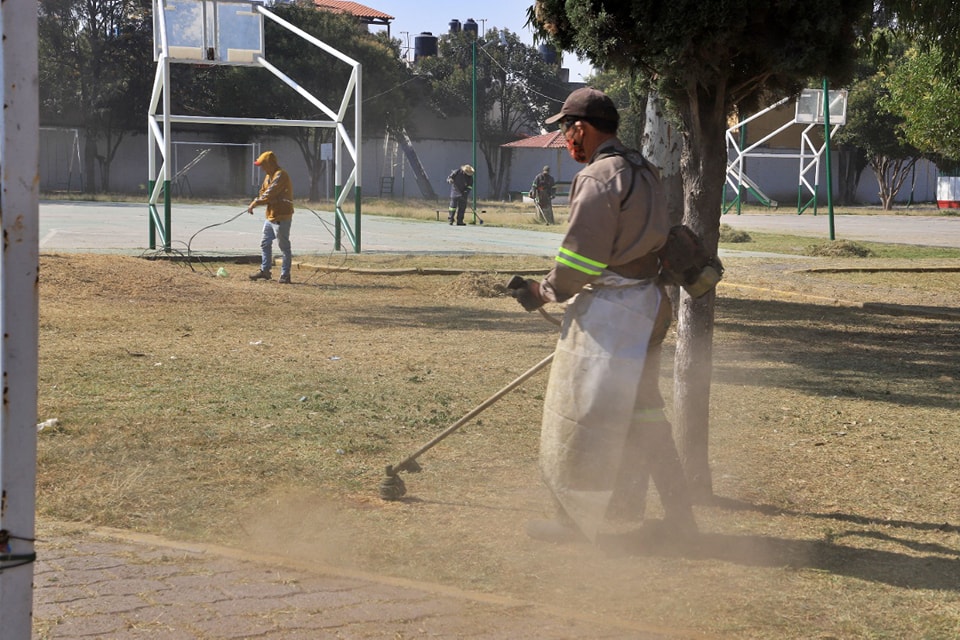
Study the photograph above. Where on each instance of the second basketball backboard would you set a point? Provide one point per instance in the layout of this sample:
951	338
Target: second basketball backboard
810	107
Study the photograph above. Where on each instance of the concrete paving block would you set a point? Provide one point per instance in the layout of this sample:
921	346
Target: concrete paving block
96	625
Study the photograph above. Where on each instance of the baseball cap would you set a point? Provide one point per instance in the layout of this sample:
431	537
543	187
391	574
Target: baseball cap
467	169
588	103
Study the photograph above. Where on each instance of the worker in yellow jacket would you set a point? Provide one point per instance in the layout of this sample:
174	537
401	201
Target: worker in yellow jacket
277	193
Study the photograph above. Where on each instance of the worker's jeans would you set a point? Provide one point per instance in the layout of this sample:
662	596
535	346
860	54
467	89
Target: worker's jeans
279	231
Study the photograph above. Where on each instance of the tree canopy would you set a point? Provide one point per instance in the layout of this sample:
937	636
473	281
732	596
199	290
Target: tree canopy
734	50
872	126
931	24
928	104
875	129
91	62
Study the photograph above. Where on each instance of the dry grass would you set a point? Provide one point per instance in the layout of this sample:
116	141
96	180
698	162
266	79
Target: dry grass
263	416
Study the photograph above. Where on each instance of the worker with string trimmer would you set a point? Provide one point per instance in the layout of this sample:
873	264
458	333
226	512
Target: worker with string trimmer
543	190
603	423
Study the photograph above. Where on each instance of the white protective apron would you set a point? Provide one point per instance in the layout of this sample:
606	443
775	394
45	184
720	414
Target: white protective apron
592	391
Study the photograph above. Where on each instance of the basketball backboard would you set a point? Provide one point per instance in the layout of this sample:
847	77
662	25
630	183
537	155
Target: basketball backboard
810	107
208	31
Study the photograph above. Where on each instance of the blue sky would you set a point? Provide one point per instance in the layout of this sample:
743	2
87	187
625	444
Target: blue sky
417	16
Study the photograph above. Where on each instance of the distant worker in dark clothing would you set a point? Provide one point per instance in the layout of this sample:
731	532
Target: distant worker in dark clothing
461	182
542	191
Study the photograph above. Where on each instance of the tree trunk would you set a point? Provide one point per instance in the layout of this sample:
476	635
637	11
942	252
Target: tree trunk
504	160
703	166
316	175
89	162
113	140
309	141
891	173
314	164
662	144
851	162
492	163
104	174
880	165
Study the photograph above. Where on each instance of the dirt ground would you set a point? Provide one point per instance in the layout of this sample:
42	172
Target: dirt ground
261	416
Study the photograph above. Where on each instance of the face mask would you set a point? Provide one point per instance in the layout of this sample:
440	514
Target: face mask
576	150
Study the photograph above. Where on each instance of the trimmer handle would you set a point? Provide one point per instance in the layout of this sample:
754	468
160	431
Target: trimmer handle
516	282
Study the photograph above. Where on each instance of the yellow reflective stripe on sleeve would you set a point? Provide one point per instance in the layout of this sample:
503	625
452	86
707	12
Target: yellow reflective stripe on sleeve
580	263
649	415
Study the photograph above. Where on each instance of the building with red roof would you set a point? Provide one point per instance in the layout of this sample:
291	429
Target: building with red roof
366	14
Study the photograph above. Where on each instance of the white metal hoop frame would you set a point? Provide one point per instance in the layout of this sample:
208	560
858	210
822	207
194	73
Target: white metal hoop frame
231	32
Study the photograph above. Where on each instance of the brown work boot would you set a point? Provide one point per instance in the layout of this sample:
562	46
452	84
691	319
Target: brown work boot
285	278
260	275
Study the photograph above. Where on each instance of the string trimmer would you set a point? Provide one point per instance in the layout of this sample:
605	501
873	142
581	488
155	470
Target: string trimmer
392	487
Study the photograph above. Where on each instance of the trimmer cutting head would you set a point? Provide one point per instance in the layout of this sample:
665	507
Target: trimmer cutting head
392	487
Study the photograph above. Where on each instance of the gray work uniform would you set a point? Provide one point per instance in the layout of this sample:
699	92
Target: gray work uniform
604	431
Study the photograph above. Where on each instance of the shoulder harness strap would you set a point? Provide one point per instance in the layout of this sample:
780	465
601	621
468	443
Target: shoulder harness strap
634	158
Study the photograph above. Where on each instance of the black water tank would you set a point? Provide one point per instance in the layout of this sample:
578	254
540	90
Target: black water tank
548	53
470	26
424	45
454	26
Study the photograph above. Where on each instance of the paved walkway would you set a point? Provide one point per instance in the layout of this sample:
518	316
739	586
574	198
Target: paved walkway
122	228
932	230
108	584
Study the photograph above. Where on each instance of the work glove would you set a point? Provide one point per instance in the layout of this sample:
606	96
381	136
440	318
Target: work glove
526	292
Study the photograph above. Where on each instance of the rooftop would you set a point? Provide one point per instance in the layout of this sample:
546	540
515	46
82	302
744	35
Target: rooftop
551	140
366	14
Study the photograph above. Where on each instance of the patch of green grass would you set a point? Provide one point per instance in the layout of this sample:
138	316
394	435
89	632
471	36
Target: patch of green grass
798	245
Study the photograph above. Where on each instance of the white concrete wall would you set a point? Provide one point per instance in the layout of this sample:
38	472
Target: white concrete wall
227	171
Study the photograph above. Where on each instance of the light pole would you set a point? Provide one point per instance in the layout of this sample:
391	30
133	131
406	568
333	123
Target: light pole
826	146
473	50
474	112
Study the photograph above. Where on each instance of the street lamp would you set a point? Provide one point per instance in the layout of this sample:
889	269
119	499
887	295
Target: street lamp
473	48
474	112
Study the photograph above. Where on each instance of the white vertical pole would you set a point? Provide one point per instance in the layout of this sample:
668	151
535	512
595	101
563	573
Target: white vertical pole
358	145
358	123
19	302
